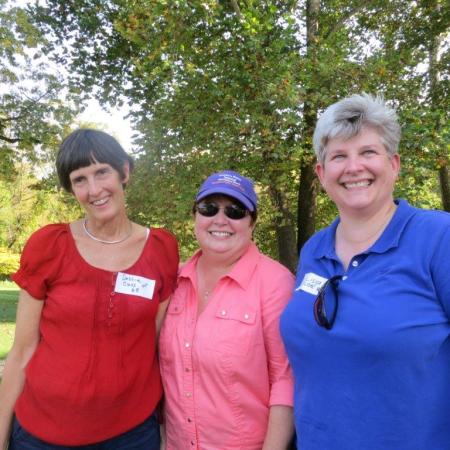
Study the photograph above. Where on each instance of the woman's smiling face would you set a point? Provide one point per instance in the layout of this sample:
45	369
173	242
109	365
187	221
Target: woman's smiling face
219	233
99	190
358	174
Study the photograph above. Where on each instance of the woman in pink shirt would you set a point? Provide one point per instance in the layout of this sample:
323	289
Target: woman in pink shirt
225	374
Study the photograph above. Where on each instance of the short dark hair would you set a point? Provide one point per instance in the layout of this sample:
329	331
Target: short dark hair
85	146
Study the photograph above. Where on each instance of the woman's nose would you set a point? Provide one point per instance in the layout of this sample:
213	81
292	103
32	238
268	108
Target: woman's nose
221	217
93	187
353	164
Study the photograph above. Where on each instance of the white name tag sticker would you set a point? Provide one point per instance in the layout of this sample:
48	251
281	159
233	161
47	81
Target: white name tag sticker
134	285
311	283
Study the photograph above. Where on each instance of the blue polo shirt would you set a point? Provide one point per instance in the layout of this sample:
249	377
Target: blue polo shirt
380	378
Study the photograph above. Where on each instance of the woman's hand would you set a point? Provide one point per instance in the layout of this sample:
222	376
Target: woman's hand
26	339
280	428
162	432
161	313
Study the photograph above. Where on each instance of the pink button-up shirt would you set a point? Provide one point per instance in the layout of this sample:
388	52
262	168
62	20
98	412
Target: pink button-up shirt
223	369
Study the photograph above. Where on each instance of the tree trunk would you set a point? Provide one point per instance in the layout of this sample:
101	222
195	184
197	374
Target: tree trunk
285	231
307	188
287	250
444	179
306	202
433	58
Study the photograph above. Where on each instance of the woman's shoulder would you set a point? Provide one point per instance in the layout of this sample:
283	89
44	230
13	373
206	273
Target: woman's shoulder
430	221
163	243
41	258
436	216
275	281
163	237
321	240
273	268
162	233
49	235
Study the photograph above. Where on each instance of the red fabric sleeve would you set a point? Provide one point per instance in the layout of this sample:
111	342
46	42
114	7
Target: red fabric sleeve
40	259
167	260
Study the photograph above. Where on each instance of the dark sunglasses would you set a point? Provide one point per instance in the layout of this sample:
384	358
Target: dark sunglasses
326	303
232	211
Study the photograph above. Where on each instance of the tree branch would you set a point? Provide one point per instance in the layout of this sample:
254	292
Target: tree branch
236	8
342	20
9	140
12	119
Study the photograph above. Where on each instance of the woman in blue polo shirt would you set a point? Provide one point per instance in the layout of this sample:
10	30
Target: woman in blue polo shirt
367	329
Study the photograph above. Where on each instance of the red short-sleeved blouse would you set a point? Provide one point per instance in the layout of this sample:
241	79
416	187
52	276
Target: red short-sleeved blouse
94	374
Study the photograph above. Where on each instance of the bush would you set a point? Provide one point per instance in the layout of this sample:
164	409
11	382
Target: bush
9	263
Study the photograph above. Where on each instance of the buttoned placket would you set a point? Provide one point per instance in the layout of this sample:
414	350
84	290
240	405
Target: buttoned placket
111	315
355	263
188	375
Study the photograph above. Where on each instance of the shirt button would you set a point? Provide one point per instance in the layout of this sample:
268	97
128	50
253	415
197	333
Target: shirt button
223	312
188	394
246	316
344	277
187	345
355	263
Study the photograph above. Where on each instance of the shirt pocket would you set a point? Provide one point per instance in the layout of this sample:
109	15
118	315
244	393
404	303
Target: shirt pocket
234	329
170	328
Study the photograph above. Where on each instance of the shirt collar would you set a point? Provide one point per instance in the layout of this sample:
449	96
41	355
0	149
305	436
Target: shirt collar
393	232
188	268
241	271
325	246
388	239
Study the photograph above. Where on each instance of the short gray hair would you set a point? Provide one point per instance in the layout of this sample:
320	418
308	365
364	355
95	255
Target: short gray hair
345	119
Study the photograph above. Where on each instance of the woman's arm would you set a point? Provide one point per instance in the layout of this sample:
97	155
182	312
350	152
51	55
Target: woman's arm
280	429
162	308
26	339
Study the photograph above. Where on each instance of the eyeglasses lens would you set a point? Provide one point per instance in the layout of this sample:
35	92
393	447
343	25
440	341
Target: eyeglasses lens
326	304
232	211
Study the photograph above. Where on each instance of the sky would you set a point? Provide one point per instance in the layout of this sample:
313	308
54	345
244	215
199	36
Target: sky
113	122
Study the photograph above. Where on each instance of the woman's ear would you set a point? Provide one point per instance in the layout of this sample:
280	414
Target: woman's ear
319	169
126	172
395	164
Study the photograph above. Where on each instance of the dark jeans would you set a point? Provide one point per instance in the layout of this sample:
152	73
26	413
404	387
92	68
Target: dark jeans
143	437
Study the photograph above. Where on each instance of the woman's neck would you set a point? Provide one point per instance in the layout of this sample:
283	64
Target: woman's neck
211	267
110	229
356	234
216	263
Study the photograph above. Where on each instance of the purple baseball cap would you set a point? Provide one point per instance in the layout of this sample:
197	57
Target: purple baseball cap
232	184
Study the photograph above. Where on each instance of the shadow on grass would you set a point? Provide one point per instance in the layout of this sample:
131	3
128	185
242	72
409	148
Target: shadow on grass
8	305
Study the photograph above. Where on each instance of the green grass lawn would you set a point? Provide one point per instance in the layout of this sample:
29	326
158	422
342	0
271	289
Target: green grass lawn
9	293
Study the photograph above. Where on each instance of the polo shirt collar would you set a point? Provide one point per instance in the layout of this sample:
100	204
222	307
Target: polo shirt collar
389	238
394	230
241	272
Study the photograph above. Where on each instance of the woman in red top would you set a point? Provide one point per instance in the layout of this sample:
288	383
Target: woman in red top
83	368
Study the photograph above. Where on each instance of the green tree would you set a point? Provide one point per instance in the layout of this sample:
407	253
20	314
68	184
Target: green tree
33	109
238	84
27	203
